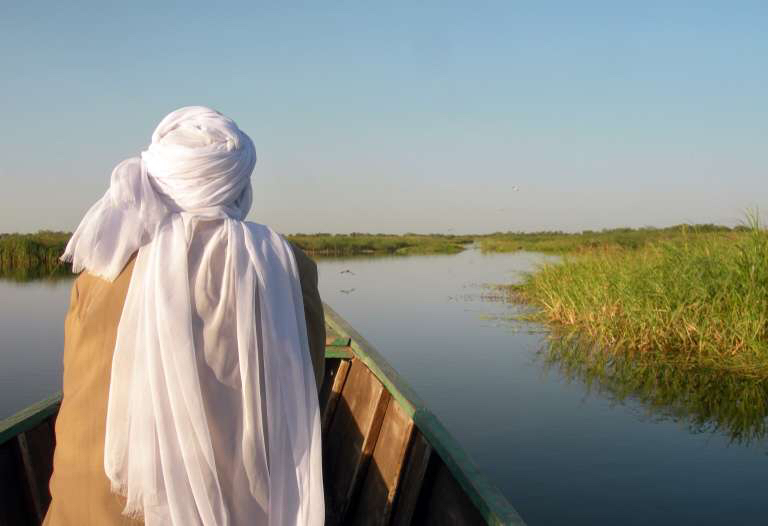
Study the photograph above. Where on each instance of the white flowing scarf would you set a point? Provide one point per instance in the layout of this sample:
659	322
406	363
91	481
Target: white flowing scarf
213	415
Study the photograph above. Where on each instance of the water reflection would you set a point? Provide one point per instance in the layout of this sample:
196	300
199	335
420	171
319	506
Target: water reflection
706	401
31	339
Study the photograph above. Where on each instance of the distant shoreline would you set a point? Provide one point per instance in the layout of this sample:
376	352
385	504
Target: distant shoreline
36	255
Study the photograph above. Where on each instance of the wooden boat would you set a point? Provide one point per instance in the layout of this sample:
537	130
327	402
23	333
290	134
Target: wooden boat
387	459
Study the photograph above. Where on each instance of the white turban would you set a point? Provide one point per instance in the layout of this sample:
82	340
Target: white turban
213	416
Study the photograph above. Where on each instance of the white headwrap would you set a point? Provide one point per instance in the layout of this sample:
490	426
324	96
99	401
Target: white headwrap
213	415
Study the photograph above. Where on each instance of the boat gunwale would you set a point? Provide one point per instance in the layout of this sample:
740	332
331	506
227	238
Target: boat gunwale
29	417
494	507
490	502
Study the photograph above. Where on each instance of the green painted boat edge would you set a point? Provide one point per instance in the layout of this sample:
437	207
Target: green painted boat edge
492	504
28	418
367	353
490	501
344	354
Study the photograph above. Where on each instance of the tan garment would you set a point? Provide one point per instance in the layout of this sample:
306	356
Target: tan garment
79	487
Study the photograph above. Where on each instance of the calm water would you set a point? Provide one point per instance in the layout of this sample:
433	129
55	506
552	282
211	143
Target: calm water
563	452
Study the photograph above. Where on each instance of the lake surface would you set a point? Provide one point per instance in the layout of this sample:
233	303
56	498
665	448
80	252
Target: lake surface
561	451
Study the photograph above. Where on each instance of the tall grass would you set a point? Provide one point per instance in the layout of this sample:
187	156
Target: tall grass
32	256
561	242
699	300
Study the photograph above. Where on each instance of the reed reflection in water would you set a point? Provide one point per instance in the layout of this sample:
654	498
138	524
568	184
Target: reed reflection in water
706	401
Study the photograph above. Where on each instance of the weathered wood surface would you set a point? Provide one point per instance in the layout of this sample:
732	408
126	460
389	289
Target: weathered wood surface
373	507
447	504
492	505
413	480
352	435
333	384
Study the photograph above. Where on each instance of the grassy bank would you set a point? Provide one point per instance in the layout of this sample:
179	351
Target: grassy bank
32	256
357	243
560	242
42	248
698	300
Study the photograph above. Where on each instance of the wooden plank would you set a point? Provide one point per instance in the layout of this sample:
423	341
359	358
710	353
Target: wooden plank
331	366
331	400
30	480
40	445
493	505
373	507
449	505
413	480
364	351
337	342
13	509
52	424
29	417
354	430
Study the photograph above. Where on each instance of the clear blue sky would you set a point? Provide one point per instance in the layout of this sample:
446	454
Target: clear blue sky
404	116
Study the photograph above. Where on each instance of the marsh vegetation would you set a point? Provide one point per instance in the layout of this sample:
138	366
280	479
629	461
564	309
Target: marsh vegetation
34	256
379	244
26	257
698	299
627	238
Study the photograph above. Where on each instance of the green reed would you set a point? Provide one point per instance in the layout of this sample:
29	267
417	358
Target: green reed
24	257
699	300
